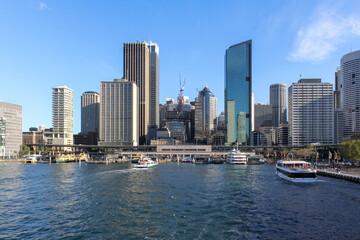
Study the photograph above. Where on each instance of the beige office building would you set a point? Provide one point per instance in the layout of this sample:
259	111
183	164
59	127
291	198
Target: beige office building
119	114
11	125
62	116
136	69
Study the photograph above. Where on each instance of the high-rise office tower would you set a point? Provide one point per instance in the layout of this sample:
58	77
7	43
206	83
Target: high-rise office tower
278	104
252	112
62	110
339	121
136	69
350	91
311	112
153	84
90	107
263	116
10	129
205	113
119	113
238	80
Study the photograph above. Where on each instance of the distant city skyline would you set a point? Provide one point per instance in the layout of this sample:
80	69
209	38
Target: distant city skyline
57	43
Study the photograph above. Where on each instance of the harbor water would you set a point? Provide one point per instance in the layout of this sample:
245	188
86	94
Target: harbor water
171	201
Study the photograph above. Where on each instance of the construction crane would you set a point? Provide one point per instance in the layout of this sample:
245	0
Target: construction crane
180	98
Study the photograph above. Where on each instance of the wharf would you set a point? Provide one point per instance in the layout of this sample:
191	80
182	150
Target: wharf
12	160
339	175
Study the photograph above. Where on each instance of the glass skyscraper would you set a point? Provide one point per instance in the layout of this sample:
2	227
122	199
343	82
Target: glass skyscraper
238	93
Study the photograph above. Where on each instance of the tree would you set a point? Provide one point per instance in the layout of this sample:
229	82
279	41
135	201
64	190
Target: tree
24	150
305	152
350	150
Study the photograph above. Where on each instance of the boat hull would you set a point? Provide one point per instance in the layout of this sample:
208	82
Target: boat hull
146	166
30	161
296	180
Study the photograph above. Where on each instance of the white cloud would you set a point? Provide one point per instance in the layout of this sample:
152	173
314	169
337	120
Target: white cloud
43	6
322	36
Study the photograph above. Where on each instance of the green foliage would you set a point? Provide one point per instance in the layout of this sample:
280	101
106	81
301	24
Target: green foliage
24	150
350	150
304	153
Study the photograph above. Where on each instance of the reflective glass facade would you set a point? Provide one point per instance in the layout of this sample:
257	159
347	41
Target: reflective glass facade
238	90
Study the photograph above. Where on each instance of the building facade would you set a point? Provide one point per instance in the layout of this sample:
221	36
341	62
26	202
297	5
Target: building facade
263	115
2	136
119	113
11	123
137	70
238	80
278	102
62	115
90	110
311	112
283	134
205	113
153	84
350	92
339	121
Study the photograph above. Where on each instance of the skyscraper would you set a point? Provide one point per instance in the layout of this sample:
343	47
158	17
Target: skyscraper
311	112
350	91
205	113
10	129
90	107
136	69
154	84
339	121
62	109
238	80
119	113
278	104
263	116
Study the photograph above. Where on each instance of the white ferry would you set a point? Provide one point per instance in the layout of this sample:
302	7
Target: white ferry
146	162
236	157
295	171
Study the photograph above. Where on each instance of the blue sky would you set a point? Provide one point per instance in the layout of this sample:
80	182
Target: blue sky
44	44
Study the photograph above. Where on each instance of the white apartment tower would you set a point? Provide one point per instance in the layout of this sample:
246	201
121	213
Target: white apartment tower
62	115
311	112
119	113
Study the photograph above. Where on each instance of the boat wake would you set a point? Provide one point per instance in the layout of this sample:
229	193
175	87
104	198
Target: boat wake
121	171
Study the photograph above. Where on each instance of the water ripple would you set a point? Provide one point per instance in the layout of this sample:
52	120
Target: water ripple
171	201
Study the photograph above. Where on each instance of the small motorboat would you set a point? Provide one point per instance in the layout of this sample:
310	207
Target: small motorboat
146	162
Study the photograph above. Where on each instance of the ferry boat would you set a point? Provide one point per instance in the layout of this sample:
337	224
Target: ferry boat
236	157
295	171
146	162
33	158
60	159
81	157
136	159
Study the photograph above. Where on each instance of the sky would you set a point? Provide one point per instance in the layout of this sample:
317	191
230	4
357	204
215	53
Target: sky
44	44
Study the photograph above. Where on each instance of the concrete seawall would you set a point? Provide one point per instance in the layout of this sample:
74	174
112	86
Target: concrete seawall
344	176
